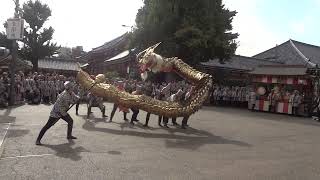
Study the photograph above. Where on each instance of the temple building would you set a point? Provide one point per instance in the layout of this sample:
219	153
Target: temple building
293	52
233	71
60	65
288	54
112	56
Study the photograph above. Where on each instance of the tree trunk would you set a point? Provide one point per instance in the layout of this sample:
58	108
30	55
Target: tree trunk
35	65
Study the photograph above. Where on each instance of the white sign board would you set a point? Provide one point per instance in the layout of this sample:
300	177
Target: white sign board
15	28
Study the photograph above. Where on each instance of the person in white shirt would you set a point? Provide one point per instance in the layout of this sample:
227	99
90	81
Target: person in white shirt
185	119
296	100
174	98
165	94
59	110
252	99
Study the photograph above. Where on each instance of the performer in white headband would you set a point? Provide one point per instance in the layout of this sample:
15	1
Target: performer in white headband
59	110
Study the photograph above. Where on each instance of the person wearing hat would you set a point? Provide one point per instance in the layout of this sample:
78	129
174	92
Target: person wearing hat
59	110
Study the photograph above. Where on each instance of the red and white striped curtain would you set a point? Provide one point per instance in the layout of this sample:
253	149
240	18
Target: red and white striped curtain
295	81
286	80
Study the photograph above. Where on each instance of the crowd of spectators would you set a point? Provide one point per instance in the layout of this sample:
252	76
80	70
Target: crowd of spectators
32	88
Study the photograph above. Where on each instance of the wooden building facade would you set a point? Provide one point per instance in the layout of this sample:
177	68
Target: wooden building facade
112	56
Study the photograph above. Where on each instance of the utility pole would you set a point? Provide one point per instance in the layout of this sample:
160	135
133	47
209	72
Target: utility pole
12	67
316	79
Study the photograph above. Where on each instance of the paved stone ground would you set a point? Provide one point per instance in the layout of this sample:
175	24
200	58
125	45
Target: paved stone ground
222	143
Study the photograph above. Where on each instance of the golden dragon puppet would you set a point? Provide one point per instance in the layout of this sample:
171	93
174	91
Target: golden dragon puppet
148	60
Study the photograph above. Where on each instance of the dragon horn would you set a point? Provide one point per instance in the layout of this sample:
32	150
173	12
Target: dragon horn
156	45
152	48
148	50
140	53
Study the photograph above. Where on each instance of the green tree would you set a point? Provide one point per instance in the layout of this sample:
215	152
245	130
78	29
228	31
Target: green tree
37	41
192	30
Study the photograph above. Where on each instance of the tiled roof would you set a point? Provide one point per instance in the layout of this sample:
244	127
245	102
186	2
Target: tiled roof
293	52
309	51
239	63
280	70
21	64
107	49
119	56
112	43
58	64
118	59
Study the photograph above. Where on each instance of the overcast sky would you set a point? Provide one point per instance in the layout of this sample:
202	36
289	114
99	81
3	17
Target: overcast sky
261	23
82	22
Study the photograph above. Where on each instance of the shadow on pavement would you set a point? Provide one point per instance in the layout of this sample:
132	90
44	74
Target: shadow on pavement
95	120
172	140
12	133
194	143
6	118
114	152
67	151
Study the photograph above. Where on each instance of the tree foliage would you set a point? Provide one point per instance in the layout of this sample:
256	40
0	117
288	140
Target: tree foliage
37	42
4	41
192	30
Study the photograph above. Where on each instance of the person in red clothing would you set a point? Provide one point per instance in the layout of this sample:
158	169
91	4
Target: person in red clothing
120	86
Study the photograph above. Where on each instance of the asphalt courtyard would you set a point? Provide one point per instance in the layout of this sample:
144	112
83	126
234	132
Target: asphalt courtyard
221	143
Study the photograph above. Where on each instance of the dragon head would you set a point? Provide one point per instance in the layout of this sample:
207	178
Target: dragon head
149	61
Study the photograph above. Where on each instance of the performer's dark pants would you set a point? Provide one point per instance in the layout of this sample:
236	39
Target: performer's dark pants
253	106
295	111
135	114
114	109
53	121
77	106
185	121
165	120
102	109
46	99
174	120
28	95
36	100
317	114
147	119
272	108
159	120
